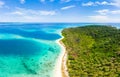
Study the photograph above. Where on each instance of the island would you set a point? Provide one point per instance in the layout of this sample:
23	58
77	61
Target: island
93	51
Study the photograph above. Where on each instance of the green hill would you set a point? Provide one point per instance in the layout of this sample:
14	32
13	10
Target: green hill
93	51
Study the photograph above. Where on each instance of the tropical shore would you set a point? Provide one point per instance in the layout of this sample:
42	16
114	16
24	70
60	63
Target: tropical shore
61	68
64	61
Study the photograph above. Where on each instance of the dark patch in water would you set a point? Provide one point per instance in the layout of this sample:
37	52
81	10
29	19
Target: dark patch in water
28	69
19	47
36	34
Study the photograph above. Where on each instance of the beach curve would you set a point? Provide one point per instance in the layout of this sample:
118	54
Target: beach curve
61	67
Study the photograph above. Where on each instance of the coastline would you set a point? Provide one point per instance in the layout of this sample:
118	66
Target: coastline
61	67
64	69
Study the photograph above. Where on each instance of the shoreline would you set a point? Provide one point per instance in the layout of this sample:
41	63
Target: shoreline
64	68
61	67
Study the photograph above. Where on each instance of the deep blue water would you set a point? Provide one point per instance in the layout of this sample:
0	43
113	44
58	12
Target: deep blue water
19	47
30	49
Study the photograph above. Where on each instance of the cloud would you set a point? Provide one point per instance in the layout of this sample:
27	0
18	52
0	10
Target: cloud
99	18
97	3
103	18
22	1
116	3
17	13
102	3
27	15
26	12
107	12
88	4
47	13
106	15
103	11
1	4
67	7
115	12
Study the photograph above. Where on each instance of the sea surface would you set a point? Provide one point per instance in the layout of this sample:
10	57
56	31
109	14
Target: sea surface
30	49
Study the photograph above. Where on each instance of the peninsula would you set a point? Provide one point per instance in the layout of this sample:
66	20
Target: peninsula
93	51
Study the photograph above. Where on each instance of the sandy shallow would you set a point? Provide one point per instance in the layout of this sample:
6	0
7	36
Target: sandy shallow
61	68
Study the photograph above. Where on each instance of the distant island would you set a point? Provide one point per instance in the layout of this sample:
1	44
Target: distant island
93	51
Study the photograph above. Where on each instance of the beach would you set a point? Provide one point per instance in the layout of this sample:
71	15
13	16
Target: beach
61	68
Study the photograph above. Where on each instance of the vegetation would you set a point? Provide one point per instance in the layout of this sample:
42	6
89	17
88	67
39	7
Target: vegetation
93	51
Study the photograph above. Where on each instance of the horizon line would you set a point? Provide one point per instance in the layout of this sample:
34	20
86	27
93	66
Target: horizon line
60	22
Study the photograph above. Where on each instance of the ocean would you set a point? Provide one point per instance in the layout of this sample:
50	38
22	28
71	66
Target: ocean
30	49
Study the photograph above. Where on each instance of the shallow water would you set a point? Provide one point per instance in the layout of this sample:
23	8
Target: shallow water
30	49
27	51
27	57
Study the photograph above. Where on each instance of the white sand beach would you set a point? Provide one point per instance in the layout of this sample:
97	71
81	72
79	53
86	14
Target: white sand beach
61	68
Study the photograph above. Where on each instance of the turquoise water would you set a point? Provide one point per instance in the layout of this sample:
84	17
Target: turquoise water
30	49
27	57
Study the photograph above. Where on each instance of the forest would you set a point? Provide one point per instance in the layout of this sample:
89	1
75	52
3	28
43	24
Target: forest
93	51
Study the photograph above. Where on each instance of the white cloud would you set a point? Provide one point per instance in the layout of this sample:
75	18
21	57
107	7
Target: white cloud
96	3
103	18
88	4
1	4
29	15
106	15
103	11
22	1
17	13
107	12
102	3
67	7
47	12
99	18
115	12
116	3
29	12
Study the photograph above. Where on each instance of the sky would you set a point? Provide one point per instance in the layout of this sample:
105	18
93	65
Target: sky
59	10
